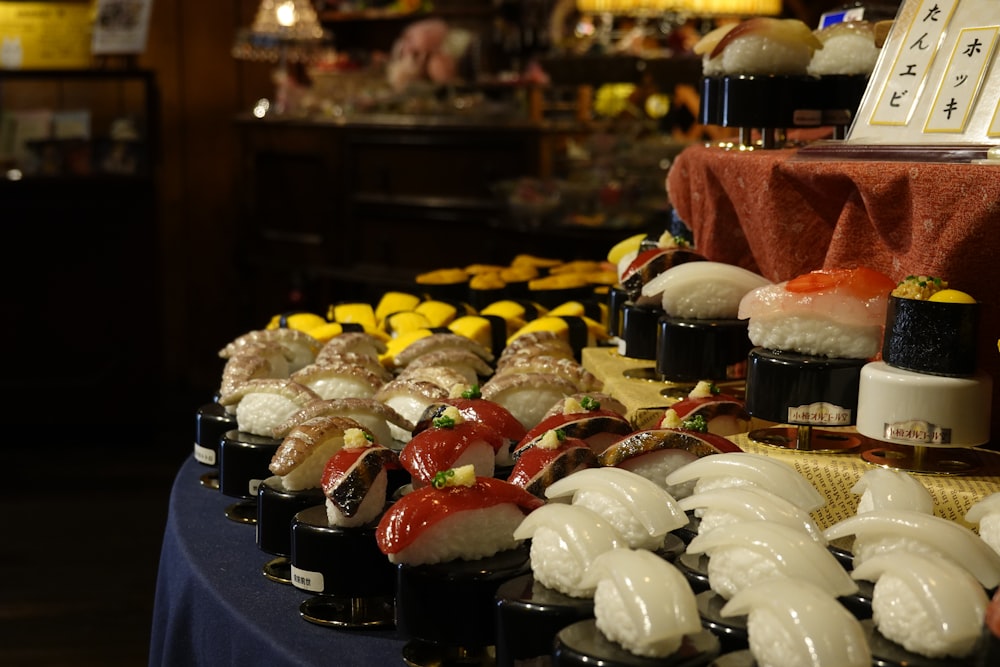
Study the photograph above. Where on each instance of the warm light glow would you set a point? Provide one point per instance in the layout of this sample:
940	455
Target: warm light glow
693	7
285	14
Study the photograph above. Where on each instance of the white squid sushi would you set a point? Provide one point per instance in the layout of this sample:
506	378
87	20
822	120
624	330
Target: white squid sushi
746	469
565	540
744	553
928	605
642	511
703	290
985	514
796	624
883	488
894	531
722	507
642	602
832	313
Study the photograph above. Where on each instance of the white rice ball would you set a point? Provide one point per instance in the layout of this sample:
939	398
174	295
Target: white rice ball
370	508
615	623
657	464
770	642
989	530
468	535
553	568
845	54
815	336
623	518
731	569
260	412
759	54
903	618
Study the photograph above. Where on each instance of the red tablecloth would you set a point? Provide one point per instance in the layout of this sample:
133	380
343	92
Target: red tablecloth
780	215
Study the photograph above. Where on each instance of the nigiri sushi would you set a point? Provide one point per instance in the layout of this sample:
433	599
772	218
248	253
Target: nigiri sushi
583	420
928	605
848	48
357	342
409	398
261	405
299	347
832	313
897	530
649	264
659	452
721	414
450	442
300	458
747	552
570	369
459	516
760	46
721	507
746	469
551	458
339	380
565	540
374	415
641	511
355	481
985	515
794	623
702	290
885	488
527	395
642	602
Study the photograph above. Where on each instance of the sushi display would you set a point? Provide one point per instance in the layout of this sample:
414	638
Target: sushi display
500	502
926	391
812	335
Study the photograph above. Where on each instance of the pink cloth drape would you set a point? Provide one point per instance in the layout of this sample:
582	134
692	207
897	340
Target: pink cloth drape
771	212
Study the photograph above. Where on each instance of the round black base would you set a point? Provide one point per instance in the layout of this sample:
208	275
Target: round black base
583	644
422	654
278	570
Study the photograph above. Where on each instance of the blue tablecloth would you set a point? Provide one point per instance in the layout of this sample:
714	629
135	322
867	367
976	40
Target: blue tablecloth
215	607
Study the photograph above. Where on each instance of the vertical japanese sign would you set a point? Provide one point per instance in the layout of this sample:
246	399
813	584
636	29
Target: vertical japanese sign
912	64
936	80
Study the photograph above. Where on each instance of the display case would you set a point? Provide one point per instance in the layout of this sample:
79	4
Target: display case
79	281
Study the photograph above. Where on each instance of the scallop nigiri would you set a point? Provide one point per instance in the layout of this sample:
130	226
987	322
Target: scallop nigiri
894	531
793	623
884	488
832	313
459	516
642	602
641	511
746	469
928	605
703	290
565	540
355	480
744	553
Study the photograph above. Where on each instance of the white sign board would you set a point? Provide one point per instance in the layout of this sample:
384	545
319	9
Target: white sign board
936	80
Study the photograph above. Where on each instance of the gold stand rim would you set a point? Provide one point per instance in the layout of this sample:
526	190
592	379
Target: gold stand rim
244	511
341	611
806	438
924	460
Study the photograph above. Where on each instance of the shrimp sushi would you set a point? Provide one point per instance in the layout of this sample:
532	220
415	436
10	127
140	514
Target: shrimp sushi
760	45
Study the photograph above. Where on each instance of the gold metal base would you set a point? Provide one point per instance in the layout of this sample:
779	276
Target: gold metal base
647	373
210	480
805	438
244	511
924	460
278	570
420	654
680	390
345	612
